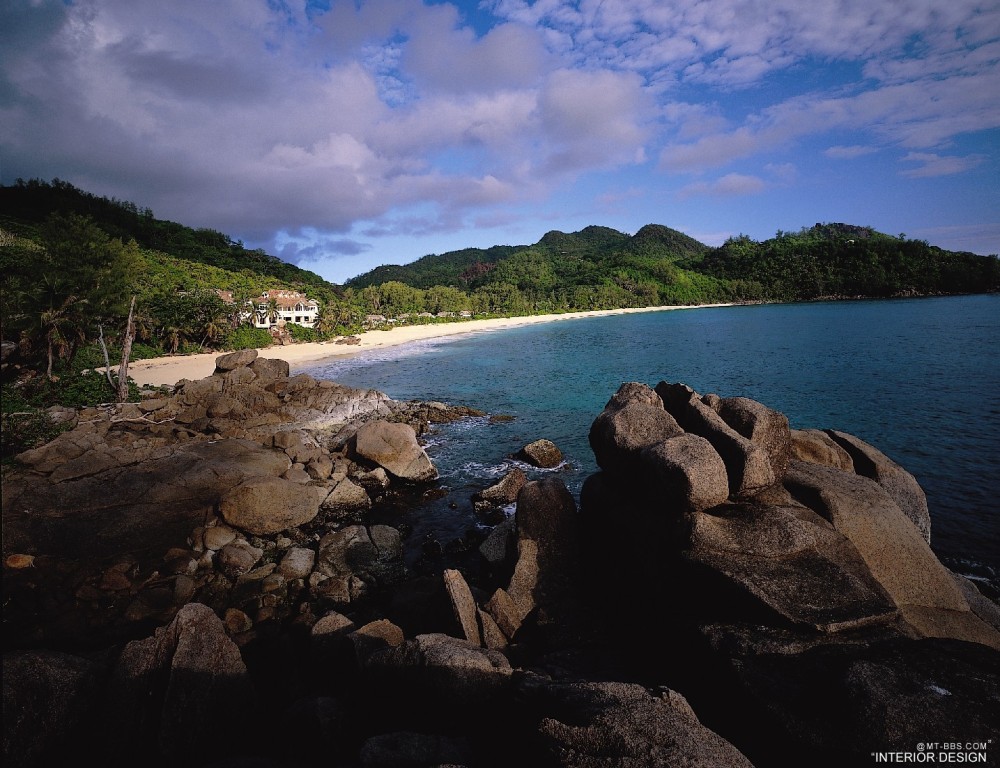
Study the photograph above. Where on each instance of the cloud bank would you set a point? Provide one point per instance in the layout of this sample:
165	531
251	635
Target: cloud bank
327	130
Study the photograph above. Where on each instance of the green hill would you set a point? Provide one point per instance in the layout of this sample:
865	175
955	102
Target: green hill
25	206
600	268
71	262
60	244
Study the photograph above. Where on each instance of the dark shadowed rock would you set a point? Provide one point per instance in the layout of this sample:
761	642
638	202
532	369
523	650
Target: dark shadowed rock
48	698
179	689
877	698
145	508
547	575
435	675
406	748
684	474
584	725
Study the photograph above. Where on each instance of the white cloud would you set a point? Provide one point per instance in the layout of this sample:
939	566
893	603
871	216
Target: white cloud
730	185
939	165
255	117
849	153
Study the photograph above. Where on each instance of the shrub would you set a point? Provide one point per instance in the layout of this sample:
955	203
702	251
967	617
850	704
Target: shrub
301	333
73	389
25	429
247	337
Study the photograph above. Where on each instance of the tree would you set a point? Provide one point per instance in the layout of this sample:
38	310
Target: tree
337	317
126	353
79	281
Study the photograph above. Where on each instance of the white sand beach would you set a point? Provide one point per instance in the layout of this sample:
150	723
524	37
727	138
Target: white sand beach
169	370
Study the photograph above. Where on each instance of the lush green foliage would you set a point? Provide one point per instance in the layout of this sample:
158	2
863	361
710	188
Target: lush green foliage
247	337
839	260
301	333
598	268
29	204
23	425
75	284
70	261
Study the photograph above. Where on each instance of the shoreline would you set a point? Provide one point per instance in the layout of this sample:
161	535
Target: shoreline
160	371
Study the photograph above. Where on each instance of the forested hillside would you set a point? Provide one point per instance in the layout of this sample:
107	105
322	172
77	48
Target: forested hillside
600	268
26	205
72	261
75	267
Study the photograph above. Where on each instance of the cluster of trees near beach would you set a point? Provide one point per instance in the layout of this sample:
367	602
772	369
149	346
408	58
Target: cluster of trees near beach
81	272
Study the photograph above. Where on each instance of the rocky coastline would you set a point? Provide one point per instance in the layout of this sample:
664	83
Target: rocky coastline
210	577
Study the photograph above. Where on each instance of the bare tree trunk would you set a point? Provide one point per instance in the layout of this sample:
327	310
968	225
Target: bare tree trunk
126	353
104	349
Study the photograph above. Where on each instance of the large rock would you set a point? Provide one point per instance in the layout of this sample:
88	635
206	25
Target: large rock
762	426
893	549
263	505
235	360
619	435
684	474
178	691
463	605
547	576
505	491
589	724
792	561
541	453
897	482
748	465
142	510
394	447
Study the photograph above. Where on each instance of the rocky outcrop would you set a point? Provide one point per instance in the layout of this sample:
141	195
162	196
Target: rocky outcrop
800	570
727	592
144	507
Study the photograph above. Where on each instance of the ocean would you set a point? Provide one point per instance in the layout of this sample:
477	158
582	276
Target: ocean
917	378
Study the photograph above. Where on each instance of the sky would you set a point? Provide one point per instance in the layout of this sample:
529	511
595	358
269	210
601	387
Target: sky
343	135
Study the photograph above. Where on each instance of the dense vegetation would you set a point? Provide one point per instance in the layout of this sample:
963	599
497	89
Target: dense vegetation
71	262
599	268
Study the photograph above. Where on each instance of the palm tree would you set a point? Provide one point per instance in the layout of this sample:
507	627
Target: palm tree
212	330
272	313
61	325
335	316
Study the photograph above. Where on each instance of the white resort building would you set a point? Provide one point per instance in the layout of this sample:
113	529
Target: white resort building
279	306
290	306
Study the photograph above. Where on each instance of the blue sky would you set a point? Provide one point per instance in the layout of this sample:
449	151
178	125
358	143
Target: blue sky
345	135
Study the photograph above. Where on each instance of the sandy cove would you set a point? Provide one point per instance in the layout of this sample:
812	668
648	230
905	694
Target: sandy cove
171	369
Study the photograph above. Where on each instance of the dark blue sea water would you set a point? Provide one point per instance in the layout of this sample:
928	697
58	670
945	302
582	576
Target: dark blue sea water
917	378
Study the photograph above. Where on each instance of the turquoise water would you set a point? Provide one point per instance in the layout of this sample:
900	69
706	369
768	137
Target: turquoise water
917	378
